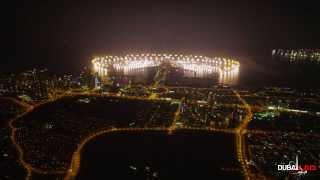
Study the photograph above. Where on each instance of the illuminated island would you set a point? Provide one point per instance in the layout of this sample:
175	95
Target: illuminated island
190	65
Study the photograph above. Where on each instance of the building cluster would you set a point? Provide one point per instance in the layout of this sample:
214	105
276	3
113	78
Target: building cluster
283	99
39	84
33	83
268	150
297	56
285	124
207	107
284	109
273	120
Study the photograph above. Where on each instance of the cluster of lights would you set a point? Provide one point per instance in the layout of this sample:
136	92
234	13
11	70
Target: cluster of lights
300	55
128	66
198	67
187	62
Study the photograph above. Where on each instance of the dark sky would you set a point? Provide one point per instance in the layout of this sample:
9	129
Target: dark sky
64	34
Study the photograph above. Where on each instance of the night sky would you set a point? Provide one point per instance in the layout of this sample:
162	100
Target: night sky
64	35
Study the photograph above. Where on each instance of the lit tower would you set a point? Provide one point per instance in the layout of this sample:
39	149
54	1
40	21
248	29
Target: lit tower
97	82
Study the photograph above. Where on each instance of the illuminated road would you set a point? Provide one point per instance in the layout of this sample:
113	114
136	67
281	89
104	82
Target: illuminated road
241	147
20	103
28	108
75	161
76	157
207	129
28	167
304	134
176	118
240	141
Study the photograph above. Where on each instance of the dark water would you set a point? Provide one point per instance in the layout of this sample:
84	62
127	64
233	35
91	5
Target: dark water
159	156
255	72
136	76
180	77
264	71
175	77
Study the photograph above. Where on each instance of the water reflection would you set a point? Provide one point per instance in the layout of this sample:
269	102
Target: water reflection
141	74
173	67
229	77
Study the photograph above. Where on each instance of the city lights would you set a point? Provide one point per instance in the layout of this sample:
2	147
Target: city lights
227	69
298	56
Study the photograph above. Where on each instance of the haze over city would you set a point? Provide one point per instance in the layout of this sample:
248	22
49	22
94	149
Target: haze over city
158	90
66	34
